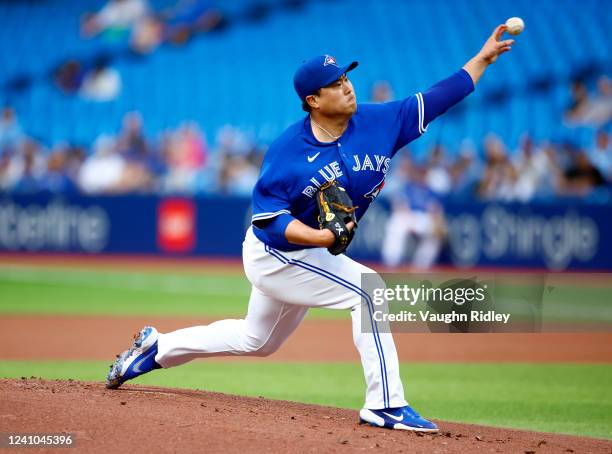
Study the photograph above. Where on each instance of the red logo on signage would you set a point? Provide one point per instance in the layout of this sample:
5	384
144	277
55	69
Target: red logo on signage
176	225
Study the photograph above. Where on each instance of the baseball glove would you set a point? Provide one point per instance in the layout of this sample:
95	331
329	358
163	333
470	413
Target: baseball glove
335	211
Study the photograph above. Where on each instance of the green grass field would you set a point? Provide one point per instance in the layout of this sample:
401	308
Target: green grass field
567	398
43	290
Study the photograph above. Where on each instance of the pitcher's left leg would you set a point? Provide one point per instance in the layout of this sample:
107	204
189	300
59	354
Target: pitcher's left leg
385	405
379	360
334	282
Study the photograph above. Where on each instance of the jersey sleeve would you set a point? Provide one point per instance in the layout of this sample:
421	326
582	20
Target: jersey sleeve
440	97
407	119
411	120
269	199
414	113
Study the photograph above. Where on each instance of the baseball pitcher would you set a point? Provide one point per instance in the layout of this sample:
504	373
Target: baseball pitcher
316	182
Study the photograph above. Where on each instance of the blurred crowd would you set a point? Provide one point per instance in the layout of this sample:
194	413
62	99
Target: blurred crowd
145	28
590	109
178	161
533	172
182	160
94	81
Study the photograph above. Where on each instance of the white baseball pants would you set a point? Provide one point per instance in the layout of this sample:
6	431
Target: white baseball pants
285	285
400	225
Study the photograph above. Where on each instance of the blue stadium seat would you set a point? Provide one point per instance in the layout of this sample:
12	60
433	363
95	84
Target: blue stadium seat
243	75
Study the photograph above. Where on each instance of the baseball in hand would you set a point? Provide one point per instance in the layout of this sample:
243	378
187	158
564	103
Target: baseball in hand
515	25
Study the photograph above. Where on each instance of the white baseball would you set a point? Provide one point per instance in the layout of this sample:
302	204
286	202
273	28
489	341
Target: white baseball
515	25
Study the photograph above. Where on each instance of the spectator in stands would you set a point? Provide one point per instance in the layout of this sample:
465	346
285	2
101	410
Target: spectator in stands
185	153
530	164
237	173
382	92
147	35
437	174
600	108
116	18
58	176
509	189
28	168
551	173
601	154
191	17
69	76
232	141
593	111
579	104
238	176
497	180
581	177
416	215
176	25
133	147
75	158
131	142
11	134
136	178
5	163
256	156
102	172
465	172
102	83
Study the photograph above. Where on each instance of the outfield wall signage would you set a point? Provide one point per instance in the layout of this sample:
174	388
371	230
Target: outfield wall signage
176	225
552	236
557	237
39	225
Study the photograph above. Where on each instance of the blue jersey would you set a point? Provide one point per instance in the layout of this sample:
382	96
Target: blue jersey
297	164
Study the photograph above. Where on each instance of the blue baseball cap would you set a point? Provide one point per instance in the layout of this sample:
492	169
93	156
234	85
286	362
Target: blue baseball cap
318	72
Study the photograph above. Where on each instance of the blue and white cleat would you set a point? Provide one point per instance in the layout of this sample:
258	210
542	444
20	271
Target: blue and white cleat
404	418
138	360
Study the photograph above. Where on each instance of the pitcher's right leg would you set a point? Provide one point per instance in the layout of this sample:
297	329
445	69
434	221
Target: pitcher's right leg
266	326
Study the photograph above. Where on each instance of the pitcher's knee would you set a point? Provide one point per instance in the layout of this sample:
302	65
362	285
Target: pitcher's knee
257	347
373	284
265	350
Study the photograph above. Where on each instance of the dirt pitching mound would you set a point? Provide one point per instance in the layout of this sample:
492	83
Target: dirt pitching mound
151	419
